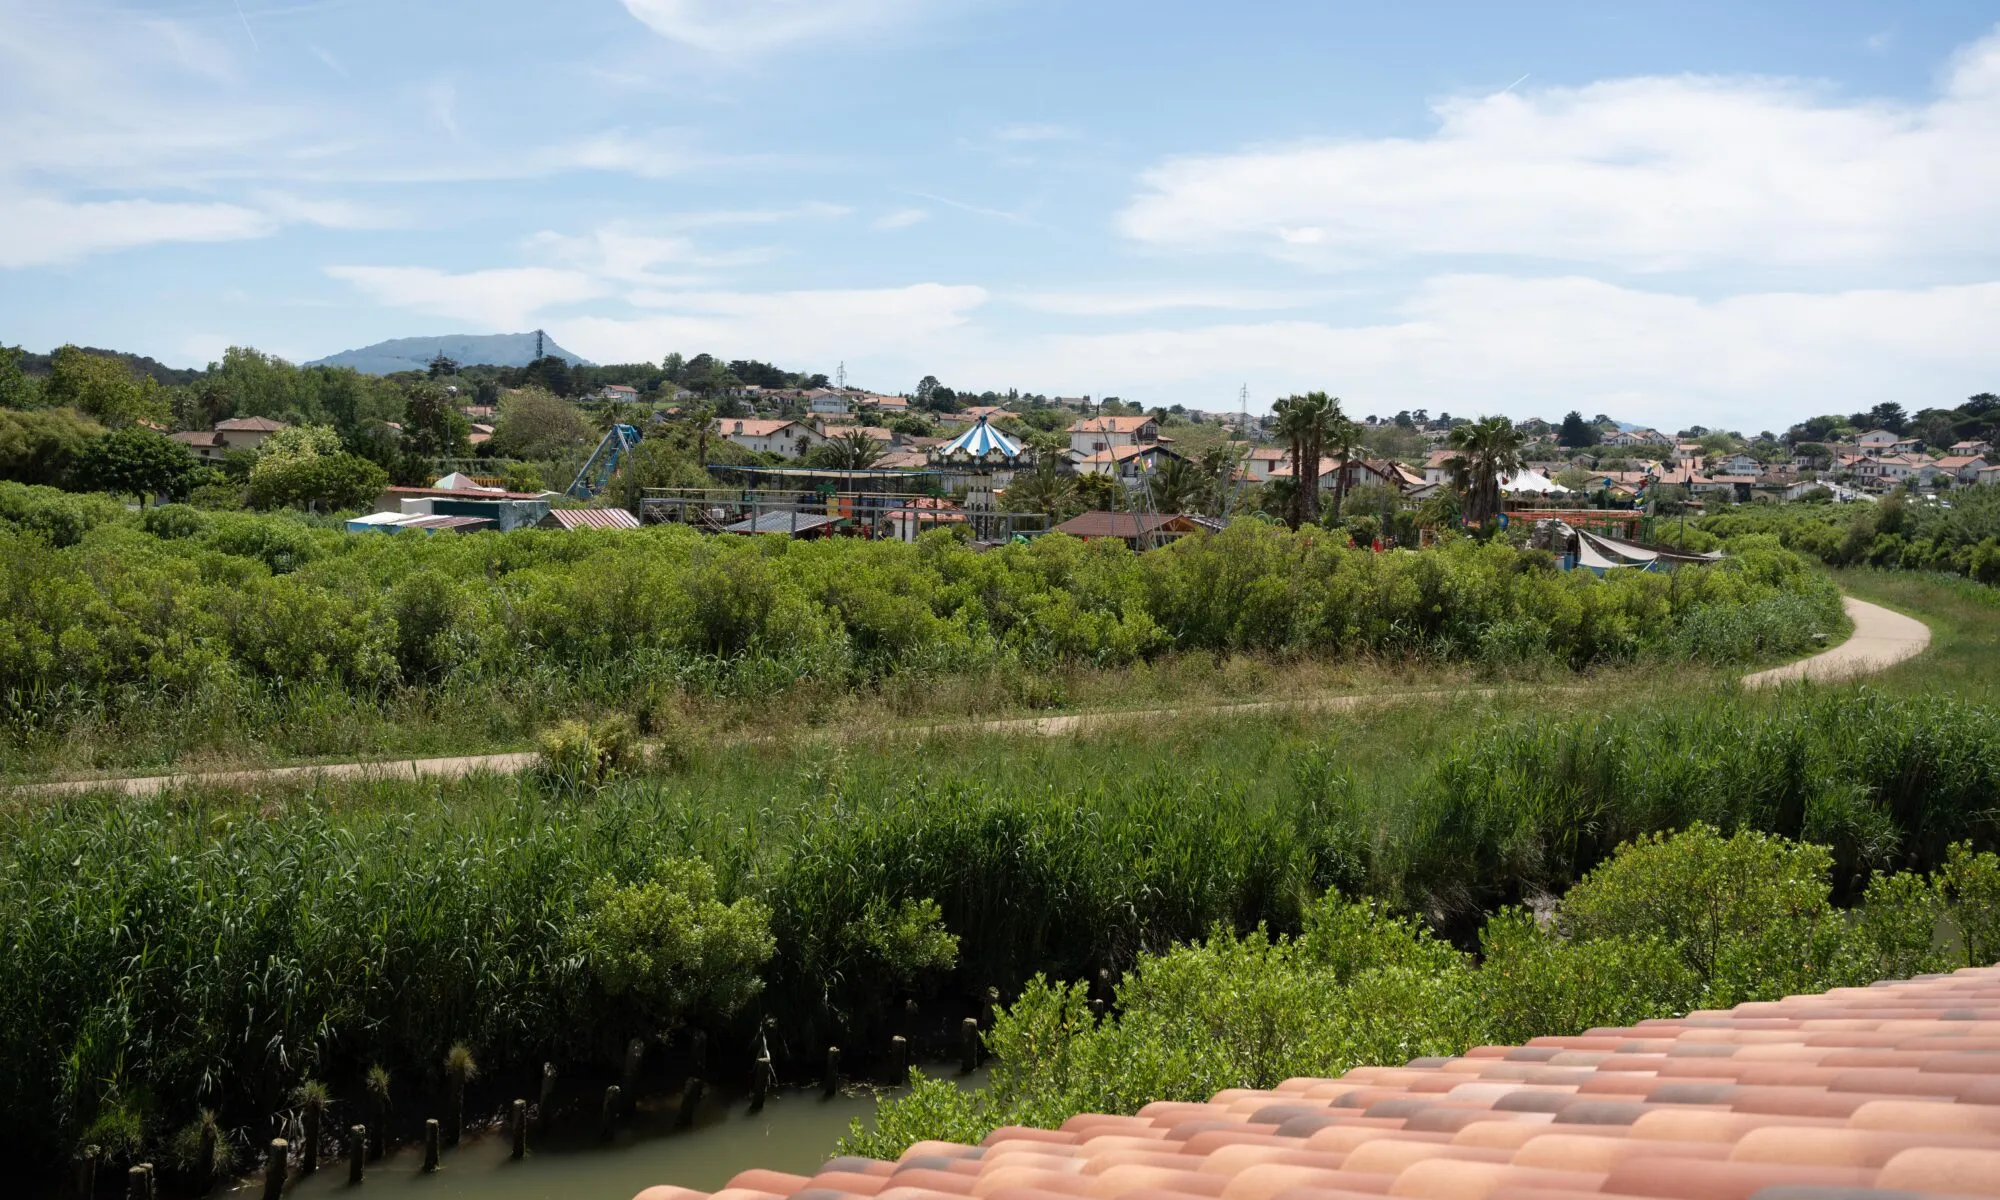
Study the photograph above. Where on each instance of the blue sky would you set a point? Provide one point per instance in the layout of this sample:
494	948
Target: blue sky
1729	213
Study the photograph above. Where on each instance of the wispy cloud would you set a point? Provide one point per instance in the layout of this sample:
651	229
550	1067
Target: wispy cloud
901	218
733	28
997	214
498	300
1035	133
1136	301
42	231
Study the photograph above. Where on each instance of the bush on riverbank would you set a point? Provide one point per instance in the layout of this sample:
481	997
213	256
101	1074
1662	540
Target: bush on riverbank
218	626
166	955
1667	925
1955	533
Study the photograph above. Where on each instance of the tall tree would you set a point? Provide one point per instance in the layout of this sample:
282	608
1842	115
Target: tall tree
1045	489
1578	433
1345	446
1302	421
1484	452
133	461
432	427
103	387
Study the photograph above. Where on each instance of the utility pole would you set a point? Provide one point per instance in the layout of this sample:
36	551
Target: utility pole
840	376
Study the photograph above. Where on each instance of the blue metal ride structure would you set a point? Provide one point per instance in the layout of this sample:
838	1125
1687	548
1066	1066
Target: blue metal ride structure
603	462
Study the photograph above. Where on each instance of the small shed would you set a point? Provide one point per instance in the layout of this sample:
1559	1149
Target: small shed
1128	527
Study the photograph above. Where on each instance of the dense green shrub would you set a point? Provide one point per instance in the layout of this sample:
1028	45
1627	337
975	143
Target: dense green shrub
1667	925
163	955
1956	533
287	609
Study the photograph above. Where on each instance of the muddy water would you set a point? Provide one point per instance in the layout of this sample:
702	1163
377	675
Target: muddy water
795	1132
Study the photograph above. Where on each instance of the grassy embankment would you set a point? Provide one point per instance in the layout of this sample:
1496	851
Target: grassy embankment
213	950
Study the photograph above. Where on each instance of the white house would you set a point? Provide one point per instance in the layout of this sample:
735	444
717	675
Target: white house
1878	442
1111	433
1262	461
828	401
1963	468
1739	464
1437	468
1842	494
1972	449
238	433
789	438
618	393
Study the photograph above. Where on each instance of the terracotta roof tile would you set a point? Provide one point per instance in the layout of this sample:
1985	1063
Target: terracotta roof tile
1857	1092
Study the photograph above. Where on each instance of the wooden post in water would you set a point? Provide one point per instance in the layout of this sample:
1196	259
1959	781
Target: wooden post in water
312	1121
832	1081
432	1138
274	1169
357	1152
899	1059
610	1111
548	1091
690	1102
135	1183
760	1082
152	1180
86	1172
520	1123
968	1049
205	1170
635	1057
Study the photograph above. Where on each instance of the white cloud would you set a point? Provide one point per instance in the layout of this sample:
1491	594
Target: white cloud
40	231
1644	173
1482	343
902	218
502	300
731	28
813	328
1134	301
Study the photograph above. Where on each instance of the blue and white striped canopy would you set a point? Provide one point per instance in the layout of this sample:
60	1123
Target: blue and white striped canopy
982	443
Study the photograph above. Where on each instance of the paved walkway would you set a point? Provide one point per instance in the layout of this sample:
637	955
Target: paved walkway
1881	639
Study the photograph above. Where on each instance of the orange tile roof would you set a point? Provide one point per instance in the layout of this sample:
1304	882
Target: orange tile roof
1110	425
1893	1088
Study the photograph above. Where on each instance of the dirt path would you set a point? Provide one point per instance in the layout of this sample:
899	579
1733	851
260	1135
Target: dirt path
1881	639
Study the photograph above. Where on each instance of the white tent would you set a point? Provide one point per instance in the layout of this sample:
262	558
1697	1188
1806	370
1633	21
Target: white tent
1531	481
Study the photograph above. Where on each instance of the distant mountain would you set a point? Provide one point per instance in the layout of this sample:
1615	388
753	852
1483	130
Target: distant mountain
415	354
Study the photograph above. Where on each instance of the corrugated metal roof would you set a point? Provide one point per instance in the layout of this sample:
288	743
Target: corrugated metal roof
780	522
594	518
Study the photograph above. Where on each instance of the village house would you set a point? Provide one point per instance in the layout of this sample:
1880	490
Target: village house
237	433
1262	461
1877	442
1963	468
1972	449
618	393
1129	464
889	405
1098	434
1437	466
788	438
827	401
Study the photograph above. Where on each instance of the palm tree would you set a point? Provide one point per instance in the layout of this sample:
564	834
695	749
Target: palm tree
853	451
1044	490
1345	446
1303	421
1177	486
1484	453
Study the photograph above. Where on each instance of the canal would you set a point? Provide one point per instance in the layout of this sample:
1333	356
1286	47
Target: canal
796	1131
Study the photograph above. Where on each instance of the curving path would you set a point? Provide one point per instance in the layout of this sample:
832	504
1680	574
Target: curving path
1882	639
